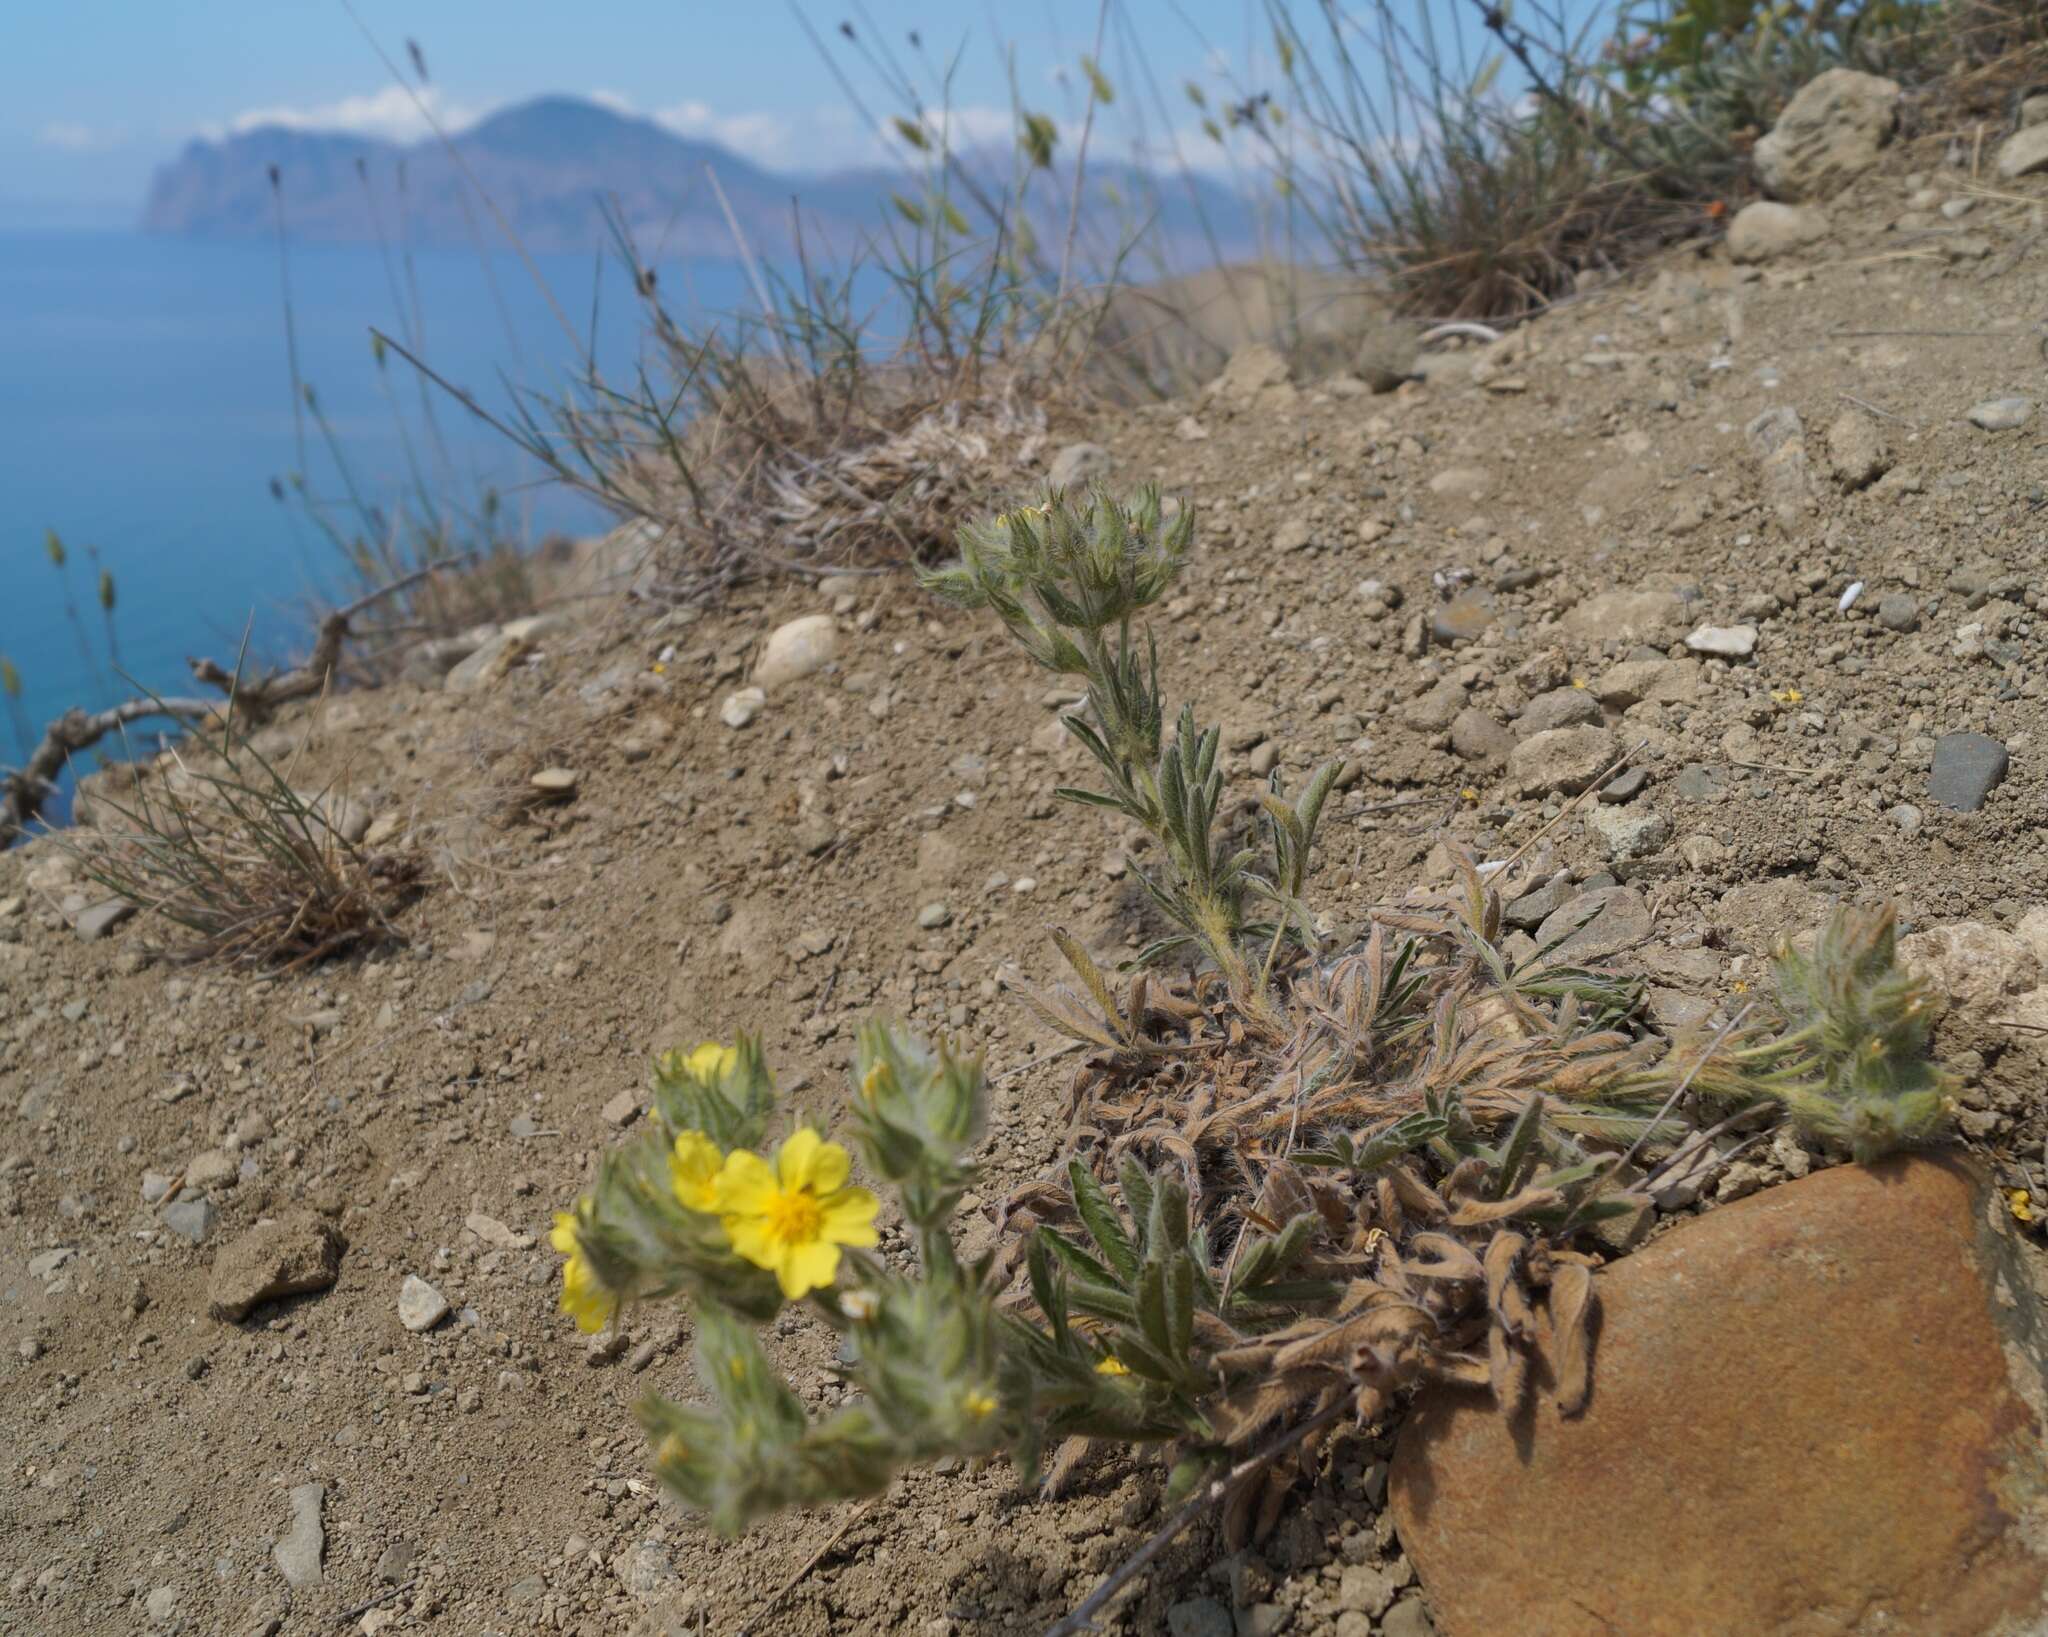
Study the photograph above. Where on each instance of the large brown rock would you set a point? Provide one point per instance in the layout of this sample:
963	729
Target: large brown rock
290	1255
1828	135
1816	1411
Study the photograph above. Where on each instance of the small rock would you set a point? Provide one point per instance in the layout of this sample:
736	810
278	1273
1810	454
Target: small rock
420	1305
933	916
1857	452
489	664
1967	768
1565	760
1971	964
397	1562
1479	738
1077	464
293	1255
1625	786
1386	355
2024	152
44	1266
1628	832
1367	1589
1559	708
495	1233
1765	230
1533	908
740	709
1907	817
622	1110
1462	483
1407	1618
1896	611
298	1555
1660	681
1828	135
95	922
555	783
162	1605
2001	414
1595	923
1723	641
796	650
190	1219
1199	1617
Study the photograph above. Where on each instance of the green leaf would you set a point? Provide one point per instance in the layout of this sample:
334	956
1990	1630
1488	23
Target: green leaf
1100	1219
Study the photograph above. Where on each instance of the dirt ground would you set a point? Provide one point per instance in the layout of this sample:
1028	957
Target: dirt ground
439	1101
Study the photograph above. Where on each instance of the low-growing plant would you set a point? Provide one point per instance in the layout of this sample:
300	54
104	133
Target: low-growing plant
1298	1187
217	840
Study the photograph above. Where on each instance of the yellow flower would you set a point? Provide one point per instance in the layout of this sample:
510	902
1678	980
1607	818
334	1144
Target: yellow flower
710	1061
791	1217
1469	793
583	1298
693	1166
979	1405
2021	1203
1787	696
1112	1366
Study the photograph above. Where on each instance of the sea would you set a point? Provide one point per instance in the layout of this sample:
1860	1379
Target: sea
148	420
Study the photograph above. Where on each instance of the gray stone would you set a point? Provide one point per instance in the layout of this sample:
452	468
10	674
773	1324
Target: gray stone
1660	681
2024	152
1407	1618
190	1219
1564	760
1629	616
298	1555
1857	452
1625	786
397	1562
1897	611
1765	230
1462	483
1386	355
420	1305
45	1265
1479	738
1828	135
489	664
1723	641
1599	922
95	922
1437	709
1628	832
740	709
1698	782
2002	414
1777	441
291	1256
1533	908
796	650
1559	708
933	916
1967	768
1200	1617
646	1570
1907	817
1366	1589
1077	464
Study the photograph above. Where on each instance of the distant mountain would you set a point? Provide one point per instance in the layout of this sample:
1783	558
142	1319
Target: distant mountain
549	165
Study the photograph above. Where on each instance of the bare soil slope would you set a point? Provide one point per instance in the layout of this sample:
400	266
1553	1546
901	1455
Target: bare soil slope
1581	497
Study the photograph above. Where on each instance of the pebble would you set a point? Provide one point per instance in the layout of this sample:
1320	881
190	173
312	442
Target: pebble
190	1219
1625	786
1898	612
1967	768
298	1555
933	916
1723	641
1907	817
740	709
162	1604
622	1110
495	1233
1200	1617
292	1255
2001	414
1408	1618
1564	760
420	1305
1628	832
796	650
97	921
1565	707
556	782
1463	619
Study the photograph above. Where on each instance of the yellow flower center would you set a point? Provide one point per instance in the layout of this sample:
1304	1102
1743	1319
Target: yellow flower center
793	1216
979	1405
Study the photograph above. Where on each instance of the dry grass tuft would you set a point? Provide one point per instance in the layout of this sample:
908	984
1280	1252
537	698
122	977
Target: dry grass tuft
257	873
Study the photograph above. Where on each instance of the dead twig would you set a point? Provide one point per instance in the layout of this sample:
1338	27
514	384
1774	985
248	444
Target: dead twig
809	1563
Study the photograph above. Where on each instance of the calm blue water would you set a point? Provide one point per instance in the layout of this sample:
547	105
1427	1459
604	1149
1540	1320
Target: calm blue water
146	407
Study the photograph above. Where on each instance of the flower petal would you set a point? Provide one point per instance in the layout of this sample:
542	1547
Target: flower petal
563	1234
829	1169
805	1268
693	1168
753	1240
793	1164
744	1186
848	1217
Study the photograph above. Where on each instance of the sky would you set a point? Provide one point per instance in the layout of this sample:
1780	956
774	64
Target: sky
99	92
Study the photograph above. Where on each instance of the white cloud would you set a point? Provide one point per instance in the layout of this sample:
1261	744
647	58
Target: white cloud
394	114
70	137
766	139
